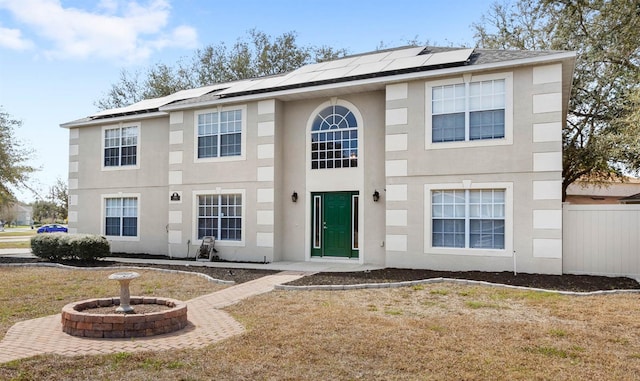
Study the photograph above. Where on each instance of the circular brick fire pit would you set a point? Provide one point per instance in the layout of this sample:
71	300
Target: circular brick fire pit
77	319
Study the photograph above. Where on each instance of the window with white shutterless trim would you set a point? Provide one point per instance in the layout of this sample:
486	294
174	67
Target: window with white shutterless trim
121	216
220	134
467	220
120	146
220	214
468	111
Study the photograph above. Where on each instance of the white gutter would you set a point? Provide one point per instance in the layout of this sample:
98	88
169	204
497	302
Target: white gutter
109	120
376	81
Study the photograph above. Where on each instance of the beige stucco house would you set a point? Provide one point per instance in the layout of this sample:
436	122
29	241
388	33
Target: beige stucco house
419	157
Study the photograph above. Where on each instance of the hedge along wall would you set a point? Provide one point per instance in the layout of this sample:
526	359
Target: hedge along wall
63	246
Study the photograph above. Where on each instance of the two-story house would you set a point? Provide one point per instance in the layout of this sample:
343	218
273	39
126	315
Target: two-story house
438	158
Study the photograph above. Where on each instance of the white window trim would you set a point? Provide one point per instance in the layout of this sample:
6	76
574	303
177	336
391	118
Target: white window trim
217	192
467	185
508	112
103	198
335	179
243	135
138	150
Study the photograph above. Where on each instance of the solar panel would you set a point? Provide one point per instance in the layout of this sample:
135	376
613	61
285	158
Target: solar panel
150	104
369	58
325	71
368	68
453	56
334	73
354	66
401	53
406	62
338	63
311	67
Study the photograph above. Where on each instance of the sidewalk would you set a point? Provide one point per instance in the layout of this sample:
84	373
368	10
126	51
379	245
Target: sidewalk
207	324
344	265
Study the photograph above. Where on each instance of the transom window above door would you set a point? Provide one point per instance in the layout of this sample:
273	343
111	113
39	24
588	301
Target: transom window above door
334	139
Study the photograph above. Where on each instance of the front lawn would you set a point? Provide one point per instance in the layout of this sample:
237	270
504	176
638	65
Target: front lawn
15	244
439	331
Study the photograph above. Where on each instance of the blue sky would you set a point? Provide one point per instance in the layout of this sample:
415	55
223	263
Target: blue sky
58	57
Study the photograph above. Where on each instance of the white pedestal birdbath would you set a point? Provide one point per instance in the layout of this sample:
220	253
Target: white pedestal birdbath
124	278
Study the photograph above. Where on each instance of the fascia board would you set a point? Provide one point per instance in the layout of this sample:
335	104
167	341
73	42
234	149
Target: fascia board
125	118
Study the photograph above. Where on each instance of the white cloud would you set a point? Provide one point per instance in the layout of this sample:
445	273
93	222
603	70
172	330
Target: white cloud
12	39
124	31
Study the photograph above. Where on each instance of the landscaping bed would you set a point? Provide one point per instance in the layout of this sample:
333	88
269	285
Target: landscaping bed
579	283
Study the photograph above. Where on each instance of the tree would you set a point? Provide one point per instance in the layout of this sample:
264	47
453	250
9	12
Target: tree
56	205
14	170
7	213
600	139
59	195
258	54
44	211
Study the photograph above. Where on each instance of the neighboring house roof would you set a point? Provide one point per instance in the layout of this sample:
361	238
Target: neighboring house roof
369	71
608	192
23	208
633	199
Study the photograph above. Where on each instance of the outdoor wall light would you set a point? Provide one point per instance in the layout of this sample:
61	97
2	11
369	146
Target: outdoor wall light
376	196
294	196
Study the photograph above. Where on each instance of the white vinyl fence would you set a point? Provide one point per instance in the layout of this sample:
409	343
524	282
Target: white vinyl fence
601	240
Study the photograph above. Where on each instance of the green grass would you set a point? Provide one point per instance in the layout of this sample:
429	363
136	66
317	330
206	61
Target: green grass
558	332
18	234
15	245
474	304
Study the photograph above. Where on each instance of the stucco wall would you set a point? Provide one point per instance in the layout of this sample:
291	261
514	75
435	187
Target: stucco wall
89	182
241	175
367	177
414	167
396	158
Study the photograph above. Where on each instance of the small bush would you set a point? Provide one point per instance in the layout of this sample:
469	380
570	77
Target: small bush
61	246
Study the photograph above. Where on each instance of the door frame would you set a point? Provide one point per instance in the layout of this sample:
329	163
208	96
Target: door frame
319	228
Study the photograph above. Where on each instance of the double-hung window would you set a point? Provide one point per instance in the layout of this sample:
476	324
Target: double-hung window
478	111
121	146
121	216
219	134
468	218
220	216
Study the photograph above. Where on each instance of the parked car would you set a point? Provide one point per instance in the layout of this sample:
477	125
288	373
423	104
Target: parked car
52	228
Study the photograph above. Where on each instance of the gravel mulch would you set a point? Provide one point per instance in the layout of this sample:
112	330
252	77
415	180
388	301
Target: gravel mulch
576	283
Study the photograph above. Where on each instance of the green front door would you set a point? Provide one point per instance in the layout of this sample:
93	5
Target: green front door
335	224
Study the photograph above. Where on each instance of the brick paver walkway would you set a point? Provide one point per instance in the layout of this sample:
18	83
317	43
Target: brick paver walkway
208	324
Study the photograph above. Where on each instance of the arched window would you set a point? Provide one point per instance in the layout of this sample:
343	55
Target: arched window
334	139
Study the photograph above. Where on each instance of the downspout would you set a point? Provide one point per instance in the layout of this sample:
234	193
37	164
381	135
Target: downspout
168	243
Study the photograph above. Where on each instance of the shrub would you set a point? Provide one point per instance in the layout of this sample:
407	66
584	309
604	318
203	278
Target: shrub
62	246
